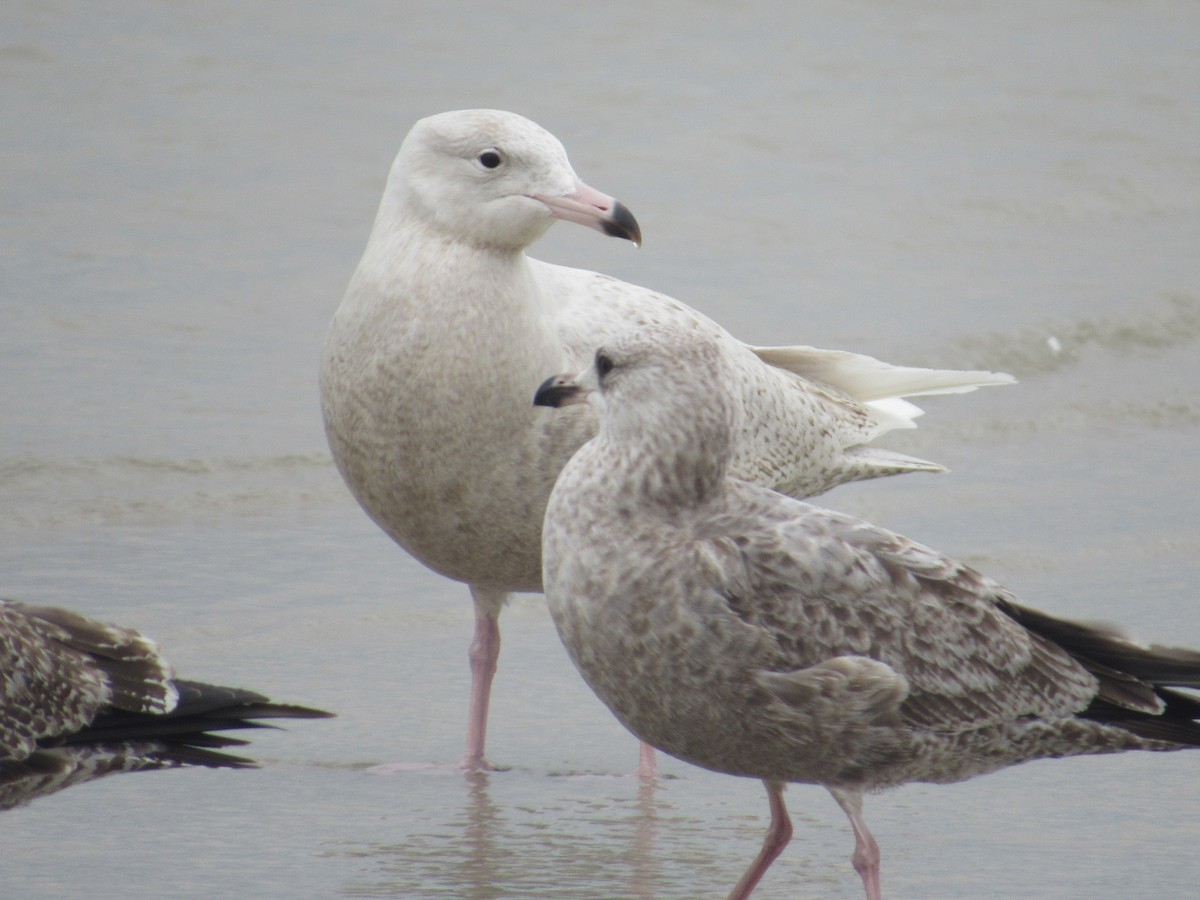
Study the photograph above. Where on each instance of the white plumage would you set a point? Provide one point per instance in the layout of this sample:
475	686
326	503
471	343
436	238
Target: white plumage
447	327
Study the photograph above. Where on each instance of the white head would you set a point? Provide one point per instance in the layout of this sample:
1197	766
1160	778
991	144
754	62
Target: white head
495	179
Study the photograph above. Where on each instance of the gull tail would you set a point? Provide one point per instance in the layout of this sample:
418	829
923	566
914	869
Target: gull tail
881	388
80	699
1136	681
202	710
869	380
121	741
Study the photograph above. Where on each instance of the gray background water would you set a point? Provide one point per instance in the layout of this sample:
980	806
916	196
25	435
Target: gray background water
185	190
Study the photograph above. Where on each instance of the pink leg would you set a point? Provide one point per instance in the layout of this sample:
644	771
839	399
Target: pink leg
866	851
484	653
779	832
647	762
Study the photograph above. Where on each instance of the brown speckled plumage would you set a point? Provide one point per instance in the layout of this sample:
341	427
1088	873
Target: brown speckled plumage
757	635
58	670
80	699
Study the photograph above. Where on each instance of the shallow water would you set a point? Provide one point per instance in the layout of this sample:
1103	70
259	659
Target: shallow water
187	192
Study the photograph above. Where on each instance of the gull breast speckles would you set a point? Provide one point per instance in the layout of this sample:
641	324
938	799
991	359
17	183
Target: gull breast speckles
754	634
447	327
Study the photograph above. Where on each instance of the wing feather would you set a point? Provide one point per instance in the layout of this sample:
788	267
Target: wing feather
823	585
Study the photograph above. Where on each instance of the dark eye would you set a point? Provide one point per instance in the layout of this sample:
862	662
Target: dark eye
604	364
490	159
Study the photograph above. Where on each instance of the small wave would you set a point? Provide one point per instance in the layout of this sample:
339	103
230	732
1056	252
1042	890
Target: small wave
1080	204
33	467
931	439
1149	553
40	492
1059	344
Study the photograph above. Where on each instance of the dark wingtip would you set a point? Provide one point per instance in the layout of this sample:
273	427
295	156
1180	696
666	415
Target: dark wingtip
622	224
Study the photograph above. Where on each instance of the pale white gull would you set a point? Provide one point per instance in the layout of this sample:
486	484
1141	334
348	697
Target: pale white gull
80	699
758	635
447	327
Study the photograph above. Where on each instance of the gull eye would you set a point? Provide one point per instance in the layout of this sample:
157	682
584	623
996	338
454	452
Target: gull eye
604	363
490	159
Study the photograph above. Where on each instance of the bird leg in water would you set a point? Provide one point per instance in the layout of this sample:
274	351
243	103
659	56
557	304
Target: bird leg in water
483	655
647	762
866	851
779	832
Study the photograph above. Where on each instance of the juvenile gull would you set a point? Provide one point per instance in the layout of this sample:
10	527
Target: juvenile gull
447	327
80	699
757	635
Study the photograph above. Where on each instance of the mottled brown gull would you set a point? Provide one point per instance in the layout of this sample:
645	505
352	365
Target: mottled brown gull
447	327
758	635
80	699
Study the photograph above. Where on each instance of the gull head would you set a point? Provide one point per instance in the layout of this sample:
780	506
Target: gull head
665	392
495	180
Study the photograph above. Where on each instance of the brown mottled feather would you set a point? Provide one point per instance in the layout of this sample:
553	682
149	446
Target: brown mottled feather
758	635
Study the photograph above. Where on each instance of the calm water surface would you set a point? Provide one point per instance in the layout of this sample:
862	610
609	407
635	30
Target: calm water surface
186	192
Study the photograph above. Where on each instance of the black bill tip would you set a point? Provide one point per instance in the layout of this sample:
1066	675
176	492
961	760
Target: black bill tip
621	223
559	390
